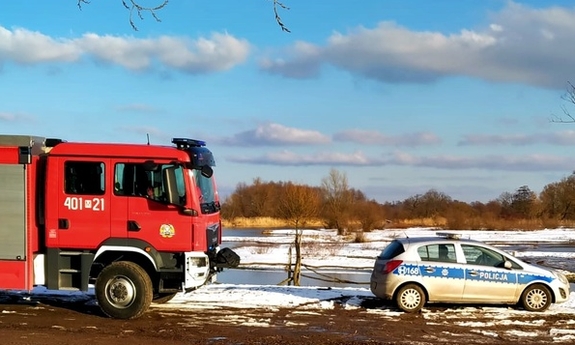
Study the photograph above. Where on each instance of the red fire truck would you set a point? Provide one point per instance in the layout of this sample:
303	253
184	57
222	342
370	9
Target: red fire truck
138	223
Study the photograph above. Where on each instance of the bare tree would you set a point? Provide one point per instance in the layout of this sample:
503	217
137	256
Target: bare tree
371	214
568	97
135	8
297	206
558	199
337	200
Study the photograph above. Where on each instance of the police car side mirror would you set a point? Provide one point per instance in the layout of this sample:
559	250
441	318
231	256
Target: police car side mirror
507	265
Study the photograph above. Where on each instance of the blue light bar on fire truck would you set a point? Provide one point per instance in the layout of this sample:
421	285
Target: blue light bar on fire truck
183	143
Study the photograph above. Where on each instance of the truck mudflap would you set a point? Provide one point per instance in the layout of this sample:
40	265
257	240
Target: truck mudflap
227	258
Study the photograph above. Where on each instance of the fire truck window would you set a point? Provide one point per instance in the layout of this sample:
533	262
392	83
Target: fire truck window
118	180
85	178
135	179
125	179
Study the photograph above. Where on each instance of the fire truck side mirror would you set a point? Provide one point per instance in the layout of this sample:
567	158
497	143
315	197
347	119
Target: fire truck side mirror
207	171
170	182
150	166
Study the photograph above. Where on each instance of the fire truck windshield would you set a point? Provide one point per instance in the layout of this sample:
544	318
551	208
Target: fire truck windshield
205	192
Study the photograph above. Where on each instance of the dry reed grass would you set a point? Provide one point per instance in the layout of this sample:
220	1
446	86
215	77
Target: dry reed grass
267	222
455	223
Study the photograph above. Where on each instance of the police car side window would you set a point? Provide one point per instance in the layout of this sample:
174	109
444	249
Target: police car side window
437	252
476	255
392	250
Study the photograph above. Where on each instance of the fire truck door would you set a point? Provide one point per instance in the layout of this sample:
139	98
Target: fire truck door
13	226
149	216
83	203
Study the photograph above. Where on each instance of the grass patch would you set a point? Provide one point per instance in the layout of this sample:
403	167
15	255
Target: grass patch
452	223
267	222
570	277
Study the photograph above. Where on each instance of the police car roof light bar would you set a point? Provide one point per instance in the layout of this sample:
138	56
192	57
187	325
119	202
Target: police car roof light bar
449	235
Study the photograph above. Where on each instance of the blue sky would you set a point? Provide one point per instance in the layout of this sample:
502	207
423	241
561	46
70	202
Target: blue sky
400	95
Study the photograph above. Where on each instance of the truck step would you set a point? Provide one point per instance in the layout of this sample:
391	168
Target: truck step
70	253
69	288
68	269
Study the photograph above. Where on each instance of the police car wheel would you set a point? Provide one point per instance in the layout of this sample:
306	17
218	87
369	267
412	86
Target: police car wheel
536	298
410	298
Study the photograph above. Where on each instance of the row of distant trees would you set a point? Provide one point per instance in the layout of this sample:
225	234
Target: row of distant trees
338	206
334	202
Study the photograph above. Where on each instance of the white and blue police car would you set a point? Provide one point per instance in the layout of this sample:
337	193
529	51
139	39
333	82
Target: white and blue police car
451	269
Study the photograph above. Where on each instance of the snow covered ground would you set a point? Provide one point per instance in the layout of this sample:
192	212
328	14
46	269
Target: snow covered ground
323	248
555	247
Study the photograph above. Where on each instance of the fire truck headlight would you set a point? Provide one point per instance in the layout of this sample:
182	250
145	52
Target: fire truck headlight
197	262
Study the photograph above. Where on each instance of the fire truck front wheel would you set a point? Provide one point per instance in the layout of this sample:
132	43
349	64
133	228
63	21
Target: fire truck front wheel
124	290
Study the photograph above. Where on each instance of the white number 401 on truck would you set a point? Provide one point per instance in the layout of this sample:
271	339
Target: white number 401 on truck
139	223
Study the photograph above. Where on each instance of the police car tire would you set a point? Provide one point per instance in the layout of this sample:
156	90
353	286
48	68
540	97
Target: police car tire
126	276
536	297
410	298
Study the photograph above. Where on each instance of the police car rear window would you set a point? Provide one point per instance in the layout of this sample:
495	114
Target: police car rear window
392	250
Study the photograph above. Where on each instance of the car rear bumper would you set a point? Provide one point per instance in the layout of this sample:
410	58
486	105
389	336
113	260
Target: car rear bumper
384	286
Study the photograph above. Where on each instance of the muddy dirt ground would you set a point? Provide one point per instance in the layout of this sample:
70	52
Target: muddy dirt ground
48	323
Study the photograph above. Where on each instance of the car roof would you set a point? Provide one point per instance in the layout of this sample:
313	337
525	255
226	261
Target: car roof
438	239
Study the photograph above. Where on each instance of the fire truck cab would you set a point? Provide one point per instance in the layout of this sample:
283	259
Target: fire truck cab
138	223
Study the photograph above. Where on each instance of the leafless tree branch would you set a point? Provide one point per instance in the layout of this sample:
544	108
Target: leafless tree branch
135	8
277	5
568	97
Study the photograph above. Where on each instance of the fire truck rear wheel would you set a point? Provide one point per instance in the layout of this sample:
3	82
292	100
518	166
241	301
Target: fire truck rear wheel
124	290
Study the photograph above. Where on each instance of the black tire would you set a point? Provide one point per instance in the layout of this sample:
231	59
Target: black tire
163	298
536	297
410	298
124	290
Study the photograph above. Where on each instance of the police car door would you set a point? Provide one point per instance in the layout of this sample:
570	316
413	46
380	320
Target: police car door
442	276
486	280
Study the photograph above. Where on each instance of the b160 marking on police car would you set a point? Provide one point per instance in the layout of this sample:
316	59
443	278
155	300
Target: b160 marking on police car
408	270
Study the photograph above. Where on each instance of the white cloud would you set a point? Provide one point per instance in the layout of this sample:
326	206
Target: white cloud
303	62
563	138
8	117
288	158
139	108
30	47
521	45
272	134
14	117
376	138
219	52
528	163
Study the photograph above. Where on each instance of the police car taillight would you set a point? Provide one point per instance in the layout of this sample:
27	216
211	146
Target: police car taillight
390	266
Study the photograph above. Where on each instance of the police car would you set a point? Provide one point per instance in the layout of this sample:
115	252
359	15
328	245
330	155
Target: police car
450	269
